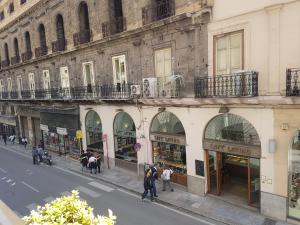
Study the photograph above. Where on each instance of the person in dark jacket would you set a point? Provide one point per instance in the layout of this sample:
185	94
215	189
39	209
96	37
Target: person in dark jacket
4	138
84	160
35	156
154	177
148	185
98	158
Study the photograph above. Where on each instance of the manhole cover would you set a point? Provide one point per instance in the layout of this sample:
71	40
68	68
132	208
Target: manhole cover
269	222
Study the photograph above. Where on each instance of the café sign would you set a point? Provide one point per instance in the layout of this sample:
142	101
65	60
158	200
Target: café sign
61	131
44	127
232	148
123	133
172	139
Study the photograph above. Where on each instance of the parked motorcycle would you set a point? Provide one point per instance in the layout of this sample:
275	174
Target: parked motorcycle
46	158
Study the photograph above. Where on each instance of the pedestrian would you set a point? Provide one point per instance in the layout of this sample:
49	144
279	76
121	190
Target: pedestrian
4	138
42	144
98	158
148	185
40	153
93	164
34	155
154	177
84	161
24	142
166	177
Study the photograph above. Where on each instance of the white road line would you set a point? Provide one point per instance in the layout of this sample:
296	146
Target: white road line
101	186
73	173
32	206
8	181
49	199
3	178
3	170
29	186
87	191
13	184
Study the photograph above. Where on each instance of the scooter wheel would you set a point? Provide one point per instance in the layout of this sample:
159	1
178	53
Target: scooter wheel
49	163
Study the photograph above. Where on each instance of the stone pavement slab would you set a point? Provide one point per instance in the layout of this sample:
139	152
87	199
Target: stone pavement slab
206	206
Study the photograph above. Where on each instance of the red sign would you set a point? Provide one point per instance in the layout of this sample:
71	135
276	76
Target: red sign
104	137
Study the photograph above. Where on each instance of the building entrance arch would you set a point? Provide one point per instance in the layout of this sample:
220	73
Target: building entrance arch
232	153
93	128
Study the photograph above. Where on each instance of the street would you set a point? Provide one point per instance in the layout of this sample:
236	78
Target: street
24	186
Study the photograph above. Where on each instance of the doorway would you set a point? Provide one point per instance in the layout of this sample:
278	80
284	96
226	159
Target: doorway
234	177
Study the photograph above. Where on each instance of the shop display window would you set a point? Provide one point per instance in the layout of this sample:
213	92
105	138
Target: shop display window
294	177
93	128
125	149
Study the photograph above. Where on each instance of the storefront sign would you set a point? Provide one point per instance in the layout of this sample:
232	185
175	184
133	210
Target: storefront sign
44	127
8	120
232	148
79	134
123	133
61	131
172	139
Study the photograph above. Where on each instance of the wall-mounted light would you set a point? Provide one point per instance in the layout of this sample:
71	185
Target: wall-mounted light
161	109
272	145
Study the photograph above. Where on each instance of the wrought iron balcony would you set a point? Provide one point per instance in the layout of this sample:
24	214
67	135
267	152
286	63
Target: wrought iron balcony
243	84
15	60
59	45
158	10
82	37
26	56
293	82
4	63
115	26
41	51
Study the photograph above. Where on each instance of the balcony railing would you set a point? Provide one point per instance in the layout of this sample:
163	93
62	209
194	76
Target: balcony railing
243	84
82	37
293	82
26	56
115	26
41	51
4	63
158	10
15	60
59	45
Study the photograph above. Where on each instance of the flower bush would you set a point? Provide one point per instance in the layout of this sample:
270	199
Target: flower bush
67	210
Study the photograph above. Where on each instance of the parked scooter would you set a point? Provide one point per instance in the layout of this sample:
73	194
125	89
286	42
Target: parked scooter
46	158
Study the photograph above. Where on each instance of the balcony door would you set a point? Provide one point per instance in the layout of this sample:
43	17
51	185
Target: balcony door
47	84
120	76
31	85
65	82
163	66
88	76
9	86
1	88
20	86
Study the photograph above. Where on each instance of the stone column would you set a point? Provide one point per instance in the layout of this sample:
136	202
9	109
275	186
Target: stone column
30	131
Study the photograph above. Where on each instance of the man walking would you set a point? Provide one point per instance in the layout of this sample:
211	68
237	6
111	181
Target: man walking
34	155
154	177
148	185
166	177
4	138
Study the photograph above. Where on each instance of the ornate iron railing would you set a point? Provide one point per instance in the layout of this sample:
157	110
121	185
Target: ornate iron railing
26	56
41	51
293	82
243	84
115	26
15	60
82	37
158	10
59	45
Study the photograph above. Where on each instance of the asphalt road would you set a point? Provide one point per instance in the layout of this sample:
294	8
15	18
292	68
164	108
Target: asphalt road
23	186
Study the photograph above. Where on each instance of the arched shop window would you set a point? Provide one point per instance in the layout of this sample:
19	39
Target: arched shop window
294	177
168	145
125	138
93	127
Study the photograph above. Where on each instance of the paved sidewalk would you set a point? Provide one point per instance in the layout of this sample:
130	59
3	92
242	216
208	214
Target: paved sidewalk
207	206
8	217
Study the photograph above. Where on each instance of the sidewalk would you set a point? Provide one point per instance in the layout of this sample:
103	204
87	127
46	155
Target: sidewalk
7	217
206	206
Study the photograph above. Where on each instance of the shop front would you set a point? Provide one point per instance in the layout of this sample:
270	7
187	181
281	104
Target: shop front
125	142
294	178
232	152
8	125
58	130
169	145
93	127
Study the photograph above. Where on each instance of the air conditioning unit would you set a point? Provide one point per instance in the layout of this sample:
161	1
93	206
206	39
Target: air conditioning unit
150	87
135	90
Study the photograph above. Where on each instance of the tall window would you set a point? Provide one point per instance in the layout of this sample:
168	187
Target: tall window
11	8
60	31
16	47
228	53
163	64
27	42
119	69
42	35
6	53
84	24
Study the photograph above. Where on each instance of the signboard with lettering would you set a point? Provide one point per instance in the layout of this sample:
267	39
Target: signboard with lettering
232	148
44	127
61	131
123	133
172	139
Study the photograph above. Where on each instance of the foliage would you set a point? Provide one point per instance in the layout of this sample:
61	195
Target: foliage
67	210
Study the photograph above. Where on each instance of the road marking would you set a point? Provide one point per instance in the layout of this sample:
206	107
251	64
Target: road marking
3	178
129	193
49	199
3	170
32	206
101	186
13	184
8	181
73	173
89	192
29	186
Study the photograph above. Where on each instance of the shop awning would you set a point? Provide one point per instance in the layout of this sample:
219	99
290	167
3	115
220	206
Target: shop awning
8	120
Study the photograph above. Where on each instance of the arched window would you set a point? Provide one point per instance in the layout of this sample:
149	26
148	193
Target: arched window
93	127
6	54
84	23
42	35
16	47
27	42
60	34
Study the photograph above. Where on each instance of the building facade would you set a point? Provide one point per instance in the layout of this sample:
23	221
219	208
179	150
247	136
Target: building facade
206	88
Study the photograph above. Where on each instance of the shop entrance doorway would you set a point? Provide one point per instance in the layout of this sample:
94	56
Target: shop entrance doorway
234	177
